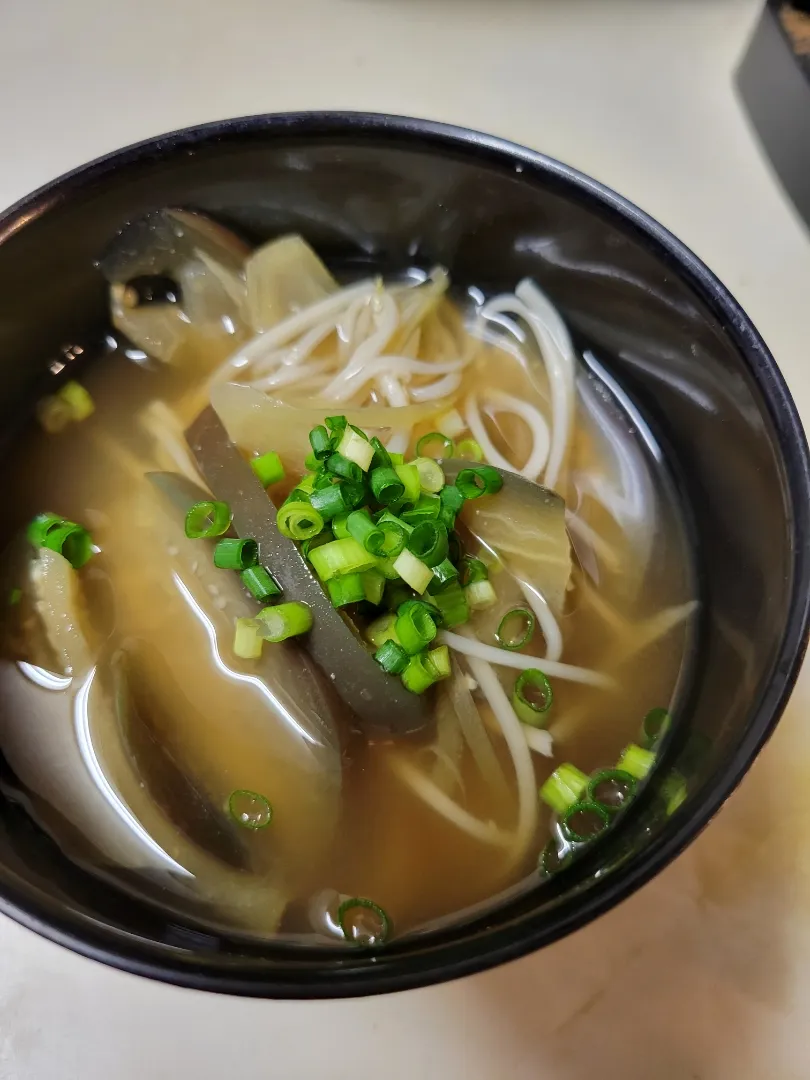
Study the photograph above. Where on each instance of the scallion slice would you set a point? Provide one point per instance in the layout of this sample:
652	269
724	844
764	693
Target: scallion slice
444	574
564	787
426	508
330	501
247	639
636	760
381	459
284	621
674	791
268	468
321	442
340	526
435	445
452	606
259	583
299	520
341	557
236	554
395	535
655	726
77	399
386	568
324	537
431	477
373	586
417	676
396	459
386	485
409	476
480	595
336	425
343	467
612	789
532	697
392	657
306	485
354	494
249	809
469	450
583	822
516	629
552	859
473	570
65	537
358	908
437	662
207	519
382	629
479	480
356	448
365	531
428	542
346	590
415	627
451	501
413	571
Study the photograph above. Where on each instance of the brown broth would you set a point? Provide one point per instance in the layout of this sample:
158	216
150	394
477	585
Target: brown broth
386	844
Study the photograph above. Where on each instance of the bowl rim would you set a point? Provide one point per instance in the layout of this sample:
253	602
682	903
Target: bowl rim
499	943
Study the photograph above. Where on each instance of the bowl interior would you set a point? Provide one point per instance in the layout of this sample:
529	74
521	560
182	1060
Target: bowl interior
375	191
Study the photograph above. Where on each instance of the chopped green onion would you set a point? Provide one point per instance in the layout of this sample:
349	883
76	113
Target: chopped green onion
330	501
451	501
583	821
341	557
284	621
479	480
336	425
469	450
396	459
299	520
386	485
323	479
340	526
365	531
452	605
373	586
674	792
391	657
386	568
515	629
444	574
250	809
417	676
65	537
381	459
356	448
247	640
346	590
311	462
428	542
306	484
343	467
324	537
434	445
452	423
236	554
354	494
207	519
473	570
409	475
426	508
564	787
268	468
77	400
413	571
259	583
396	594
382	629
431	477
321	442
532	697
655	726
394	535
480	595
636	760
415	627
438	662
359	905
552	860
611	789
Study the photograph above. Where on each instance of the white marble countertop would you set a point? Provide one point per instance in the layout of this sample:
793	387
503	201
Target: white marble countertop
704	975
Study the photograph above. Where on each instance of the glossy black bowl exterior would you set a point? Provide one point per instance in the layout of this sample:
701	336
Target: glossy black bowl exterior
397	191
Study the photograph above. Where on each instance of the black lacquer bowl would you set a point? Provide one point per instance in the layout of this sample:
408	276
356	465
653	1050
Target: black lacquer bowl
397	191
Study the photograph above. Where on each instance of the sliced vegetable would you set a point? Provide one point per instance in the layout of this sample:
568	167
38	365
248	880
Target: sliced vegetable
431	477
373	586
413	571
341	557
386	485
612	789
344	467
452	606
268	468
481	595
564	787
435	445
346	590
451	501
516	629
356	909
64	537
365	531
247	640
409	475
654	727
78	401
284	621
415	627
321	442
236	554
428	542
532	697
583	821
444	574
469	450
250	809
438	662
330	501
478	480
392	657
636	760
382	629
417	676
299	521
356	448
259	583
426	508
207	519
